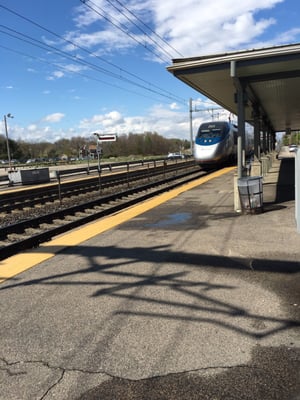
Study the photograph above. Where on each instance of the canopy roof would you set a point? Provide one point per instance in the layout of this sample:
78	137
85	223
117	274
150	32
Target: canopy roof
269	76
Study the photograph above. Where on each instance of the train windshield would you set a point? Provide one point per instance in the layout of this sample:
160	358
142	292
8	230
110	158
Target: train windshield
209	133
212	130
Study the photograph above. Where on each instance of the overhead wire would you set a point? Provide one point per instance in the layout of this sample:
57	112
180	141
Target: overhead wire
65	69
44	46
119	26
161	92
147	26
139	28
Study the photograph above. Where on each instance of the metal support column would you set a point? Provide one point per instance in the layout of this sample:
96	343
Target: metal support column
256	118
191	127
256	163
240	99
297	189
264	138
241	131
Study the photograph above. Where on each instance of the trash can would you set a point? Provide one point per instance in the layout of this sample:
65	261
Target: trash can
251	194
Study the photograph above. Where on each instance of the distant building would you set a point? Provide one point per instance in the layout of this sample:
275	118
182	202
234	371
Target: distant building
89	149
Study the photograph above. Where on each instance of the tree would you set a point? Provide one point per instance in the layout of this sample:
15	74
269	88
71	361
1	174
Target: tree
3	149
133	144
15	151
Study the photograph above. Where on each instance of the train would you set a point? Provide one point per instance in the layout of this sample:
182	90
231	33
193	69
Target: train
216	143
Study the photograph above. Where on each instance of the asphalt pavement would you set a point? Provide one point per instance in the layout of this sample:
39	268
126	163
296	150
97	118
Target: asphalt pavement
185	300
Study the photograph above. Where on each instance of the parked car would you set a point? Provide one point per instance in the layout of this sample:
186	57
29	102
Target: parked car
174	156
293	147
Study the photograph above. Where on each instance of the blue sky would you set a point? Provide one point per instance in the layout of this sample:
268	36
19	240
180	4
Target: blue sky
74	67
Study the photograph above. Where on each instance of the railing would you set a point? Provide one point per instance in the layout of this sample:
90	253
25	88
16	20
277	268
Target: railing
57	174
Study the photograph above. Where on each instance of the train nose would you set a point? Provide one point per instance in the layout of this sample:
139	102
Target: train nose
205	153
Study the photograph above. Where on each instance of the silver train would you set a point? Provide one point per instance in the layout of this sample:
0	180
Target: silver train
216	143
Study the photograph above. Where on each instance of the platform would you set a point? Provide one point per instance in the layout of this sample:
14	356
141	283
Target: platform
181	299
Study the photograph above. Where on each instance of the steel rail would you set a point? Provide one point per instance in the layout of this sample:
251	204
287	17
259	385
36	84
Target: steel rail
17	200
124	199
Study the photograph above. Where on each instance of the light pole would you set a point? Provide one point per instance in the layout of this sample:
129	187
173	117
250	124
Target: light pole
7	142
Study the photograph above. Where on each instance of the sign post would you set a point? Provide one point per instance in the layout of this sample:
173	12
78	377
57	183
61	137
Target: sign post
100	139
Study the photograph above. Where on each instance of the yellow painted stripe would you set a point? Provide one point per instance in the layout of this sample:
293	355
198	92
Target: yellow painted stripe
23	261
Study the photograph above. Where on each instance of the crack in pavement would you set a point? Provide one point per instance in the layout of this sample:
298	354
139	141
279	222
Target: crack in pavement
272	373
10	365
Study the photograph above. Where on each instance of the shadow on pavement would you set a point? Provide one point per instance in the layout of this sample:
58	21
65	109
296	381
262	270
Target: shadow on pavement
265	377
285	190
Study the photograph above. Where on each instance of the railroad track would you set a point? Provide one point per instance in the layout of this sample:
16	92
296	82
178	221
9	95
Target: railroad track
33	231
61	191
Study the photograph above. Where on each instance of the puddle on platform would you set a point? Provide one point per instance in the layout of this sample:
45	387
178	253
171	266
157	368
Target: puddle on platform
172	219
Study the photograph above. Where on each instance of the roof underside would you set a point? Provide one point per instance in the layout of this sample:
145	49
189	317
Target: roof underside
271	78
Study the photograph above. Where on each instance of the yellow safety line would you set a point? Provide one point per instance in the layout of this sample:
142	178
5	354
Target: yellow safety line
23	261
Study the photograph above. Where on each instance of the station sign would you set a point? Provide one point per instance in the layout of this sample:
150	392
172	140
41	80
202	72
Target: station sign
106	137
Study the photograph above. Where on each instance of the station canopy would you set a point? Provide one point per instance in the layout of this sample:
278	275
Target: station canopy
270	78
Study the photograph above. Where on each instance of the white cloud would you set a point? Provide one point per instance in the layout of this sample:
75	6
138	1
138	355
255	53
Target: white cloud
53	118
74	68
174	106
163	119
288	36
55	75
32	128
100	42
215	26
245	27
102	121
192	27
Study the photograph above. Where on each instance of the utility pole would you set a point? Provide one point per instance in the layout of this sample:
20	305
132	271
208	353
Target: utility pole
7	141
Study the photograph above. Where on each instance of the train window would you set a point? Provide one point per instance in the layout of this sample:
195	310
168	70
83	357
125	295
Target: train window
216	133
204	133
209	133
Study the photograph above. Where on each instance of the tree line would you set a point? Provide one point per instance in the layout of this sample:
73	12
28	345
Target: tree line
292	138
133	144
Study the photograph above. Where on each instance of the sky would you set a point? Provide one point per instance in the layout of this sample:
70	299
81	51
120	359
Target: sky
74	67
